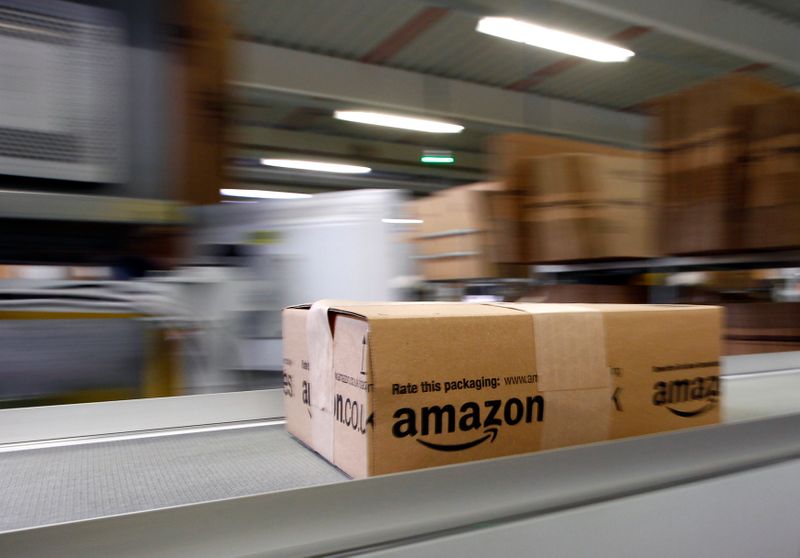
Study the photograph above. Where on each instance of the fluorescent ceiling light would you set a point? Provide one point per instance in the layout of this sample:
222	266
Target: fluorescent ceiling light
315	166
265	194
395	121
552	39
402	221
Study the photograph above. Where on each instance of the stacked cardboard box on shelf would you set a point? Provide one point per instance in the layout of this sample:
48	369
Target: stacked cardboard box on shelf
467	232
511	153
511	156
701	134
773	174
582	207
380	388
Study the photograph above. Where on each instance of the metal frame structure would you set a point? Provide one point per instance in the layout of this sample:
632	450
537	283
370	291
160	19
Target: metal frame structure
59	422
449	506
19	204
615	493
270	68
731	27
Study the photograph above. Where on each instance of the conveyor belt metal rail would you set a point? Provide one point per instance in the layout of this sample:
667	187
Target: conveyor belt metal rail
730	490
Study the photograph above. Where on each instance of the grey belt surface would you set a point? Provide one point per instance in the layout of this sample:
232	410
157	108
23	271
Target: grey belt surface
45	486
54	485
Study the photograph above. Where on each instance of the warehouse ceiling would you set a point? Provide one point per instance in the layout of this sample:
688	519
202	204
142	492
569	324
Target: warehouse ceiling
785	9
369	43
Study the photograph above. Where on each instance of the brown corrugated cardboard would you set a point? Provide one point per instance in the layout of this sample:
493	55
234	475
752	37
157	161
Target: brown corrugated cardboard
773	227
702	131
708	108
773	175
591	178
467	232
506	210
296	381
584	207
589	231
775	118
703	196
413	385
510	153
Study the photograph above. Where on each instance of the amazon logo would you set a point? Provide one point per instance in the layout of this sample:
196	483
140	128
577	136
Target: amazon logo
484	420
703	392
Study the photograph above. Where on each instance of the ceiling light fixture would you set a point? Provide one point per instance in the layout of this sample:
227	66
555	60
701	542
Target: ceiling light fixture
396	121
552	39
317	166
264	194
402	221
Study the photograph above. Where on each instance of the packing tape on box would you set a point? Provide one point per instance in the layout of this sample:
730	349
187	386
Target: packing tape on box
320	359
573	372
321	375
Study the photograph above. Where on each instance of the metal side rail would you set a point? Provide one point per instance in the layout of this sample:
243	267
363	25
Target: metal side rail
443	504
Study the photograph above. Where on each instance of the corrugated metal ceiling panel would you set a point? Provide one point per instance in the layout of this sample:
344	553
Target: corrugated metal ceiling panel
784	9
452	48
344	28
618	85
662	64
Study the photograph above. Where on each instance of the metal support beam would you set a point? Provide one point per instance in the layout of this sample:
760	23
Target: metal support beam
254	141
450	503
556	68
730	27
404	35
309	181
268	68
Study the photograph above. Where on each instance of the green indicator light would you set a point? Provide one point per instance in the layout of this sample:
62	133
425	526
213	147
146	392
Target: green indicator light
438	159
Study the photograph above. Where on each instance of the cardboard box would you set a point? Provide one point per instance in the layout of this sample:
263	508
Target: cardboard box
775	118
403	386
709	108
703	196
510	154
454	239
506	209
773	175
579	232
468	232
296	381
773	227
774	178
582	207
579	177
702	132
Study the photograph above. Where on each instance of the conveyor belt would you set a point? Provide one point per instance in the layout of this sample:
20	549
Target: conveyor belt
52	485
60	484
